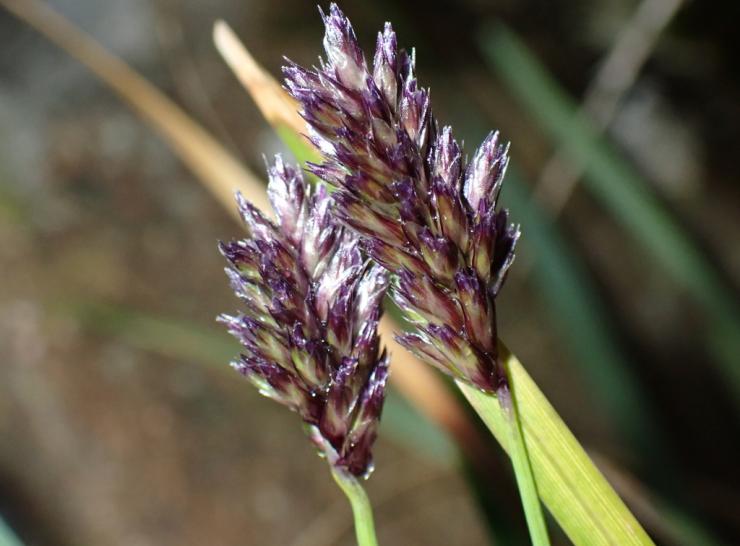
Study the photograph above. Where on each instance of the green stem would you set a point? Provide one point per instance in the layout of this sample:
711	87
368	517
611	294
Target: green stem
483	403
573	489
361	508
523	470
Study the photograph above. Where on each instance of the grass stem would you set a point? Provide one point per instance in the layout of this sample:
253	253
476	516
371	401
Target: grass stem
523	470
573	489
361	508
503	404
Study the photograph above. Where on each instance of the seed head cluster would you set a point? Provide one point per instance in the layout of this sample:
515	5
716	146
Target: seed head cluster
422	210
311	305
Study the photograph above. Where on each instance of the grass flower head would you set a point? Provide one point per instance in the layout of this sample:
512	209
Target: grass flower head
422	210
309	325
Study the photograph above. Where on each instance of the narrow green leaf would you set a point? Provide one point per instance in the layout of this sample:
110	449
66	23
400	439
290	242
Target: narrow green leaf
612	180
12	210
297	144
7	536
167	336
576	493
404	424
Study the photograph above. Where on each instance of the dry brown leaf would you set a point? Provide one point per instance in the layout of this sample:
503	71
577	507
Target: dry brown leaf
276	105
221	173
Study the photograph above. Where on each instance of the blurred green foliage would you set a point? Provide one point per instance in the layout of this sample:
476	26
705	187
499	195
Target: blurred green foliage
7	536
611	179
582	321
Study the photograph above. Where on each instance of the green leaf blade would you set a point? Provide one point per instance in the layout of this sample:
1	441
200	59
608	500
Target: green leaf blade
587	508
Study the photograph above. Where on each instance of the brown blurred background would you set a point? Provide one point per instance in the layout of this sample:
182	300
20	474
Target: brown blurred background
120	421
